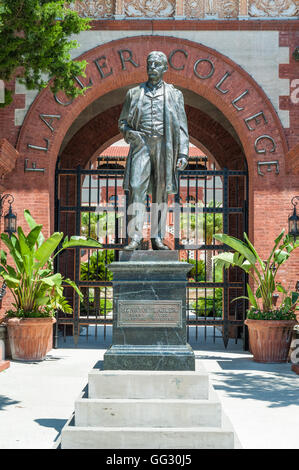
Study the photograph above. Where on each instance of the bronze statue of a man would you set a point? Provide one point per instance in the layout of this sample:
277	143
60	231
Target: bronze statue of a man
154	123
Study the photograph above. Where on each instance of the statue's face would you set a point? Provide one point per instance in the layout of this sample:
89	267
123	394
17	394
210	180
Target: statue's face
156	67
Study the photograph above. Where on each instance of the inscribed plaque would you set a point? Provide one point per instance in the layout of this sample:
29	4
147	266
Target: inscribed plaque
150	313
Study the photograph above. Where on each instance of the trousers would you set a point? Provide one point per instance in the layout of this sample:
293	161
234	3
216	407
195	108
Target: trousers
148	171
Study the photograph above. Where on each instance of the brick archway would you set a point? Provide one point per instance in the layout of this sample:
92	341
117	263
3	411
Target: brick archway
120	64
103	129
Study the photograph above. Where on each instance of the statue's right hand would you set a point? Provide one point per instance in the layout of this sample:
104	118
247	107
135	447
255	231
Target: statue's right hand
133	136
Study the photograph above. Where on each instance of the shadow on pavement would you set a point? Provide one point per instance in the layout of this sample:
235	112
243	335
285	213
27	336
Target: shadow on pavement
55	423
6	401
279	389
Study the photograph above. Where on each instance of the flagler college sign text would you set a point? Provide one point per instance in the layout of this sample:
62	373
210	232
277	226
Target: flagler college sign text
203	70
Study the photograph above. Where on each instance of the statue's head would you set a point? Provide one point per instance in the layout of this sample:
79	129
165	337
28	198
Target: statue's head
156	65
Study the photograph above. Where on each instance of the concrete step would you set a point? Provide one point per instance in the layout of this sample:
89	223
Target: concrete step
78	437
148	384
147	413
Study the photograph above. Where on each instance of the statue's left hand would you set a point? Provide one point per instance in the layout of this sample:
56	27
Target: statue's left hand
182	162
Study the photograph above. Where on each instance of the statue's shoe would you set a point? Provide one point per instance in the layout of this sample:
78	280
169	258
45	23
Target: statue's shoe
133	245
157	244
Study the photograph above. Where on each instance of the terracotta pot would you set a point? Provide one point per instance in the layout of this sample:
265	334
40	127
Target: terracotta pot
269	340
29	338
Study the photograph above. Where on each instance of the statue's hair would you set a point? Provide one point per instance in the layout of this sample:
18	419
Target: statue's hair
160	54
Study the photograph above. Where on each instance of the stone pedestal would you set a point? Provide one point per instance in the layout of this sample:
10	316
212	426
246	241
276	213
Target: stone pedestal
148	410
149	323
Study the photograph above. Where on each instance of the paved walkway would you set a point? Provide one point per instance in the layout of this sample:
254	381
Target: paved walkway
37	398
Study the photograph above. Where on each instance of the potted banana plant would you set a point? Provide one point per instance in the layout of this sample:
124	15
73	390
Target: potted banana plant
270	325
36	290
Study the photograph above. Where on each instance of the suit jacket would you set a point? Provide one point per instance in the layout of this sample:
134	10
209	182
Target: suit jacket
175	130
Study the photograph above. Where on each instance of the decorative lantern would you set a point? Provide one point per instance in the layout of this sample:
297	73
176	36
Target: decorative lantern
10	219
10	222
294	220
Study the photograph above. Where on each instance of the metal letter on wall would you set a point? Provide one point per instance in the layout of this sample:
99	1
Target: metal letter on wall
171	56
36	147
256	120
103	66
239	108
225	76
267	137
67	103
203	77
61	102
268	164
124	59
82	84
50	122
33	168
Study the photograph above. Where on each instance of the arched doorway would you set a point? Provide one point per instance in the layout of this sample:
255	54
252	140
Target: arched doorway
212	198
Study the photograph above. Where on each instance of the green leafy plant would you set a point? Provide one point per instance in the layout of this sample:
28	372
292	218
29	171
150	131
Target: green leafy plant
35	44
198	270
90	224
210	306
211	222
37	291
207	224
94	268
96	224
263	273
88	307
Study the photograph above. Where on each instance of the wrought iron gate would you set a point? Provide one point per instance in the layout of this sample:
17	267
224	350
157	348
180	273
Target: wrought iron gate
91	202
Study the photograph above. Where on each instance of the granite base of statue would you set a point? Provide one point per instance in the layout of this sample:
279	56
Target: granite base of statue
149	323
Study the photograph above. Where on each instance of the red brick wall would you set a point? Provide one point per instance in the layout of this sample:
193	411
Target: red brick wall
8	130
